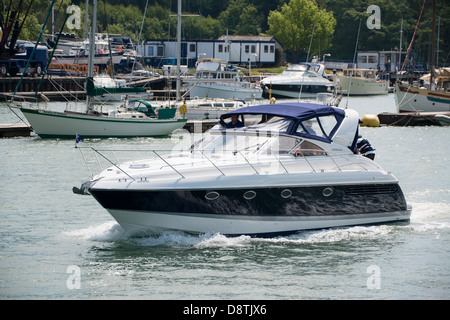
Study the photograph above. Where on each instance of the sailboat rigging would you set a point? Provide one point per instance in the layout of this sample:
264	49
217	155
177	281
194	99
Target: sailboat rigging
135	118
435	98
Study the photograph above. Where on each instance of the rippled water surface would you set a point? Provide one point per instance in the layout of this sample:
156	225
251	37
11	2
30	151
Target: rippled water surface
58	245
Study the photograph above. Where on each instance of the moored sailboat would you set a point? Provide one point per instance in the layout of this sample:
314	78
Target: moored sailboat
129	121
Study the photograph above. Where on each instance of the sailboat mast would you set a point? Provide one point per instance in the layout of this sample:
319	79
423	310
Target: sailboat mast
90	75
178	49
433	26
92	40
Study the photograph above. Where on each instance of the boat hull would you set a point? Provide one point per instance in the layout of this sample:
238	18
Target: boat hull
214	90
49	124
363	87
293	90
265	211
99	59
143	222
409	99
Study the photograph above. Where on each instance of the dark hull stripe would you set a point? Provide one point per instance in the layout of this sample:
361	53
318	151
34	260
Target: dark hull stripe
301	201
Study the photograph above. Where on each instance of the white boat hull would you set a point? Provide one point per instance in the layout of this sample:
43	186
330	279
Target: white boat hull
214	90
136	222
295	94
409	99
363	87
60	124
99	59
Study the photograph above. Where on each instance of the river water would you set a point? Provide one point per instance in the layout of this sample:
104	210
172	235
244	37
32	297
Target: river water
59	245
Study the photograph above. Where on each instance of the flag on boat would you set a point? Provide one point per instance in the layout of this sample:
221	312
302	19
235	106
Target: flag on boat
78	138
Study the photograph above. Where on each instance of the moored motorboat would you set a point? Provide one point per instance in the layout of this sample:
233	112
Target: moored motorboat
282	170
216	79
302	80
362	82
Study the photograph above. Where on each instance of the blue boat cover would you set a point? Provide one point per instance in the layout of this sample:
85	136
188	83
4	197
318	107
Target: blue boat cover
299	111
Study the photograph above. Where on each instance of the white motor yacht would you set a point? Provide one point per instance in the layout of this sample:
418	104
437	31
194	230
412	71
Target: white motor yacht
302	80
268	171
362	82
215	79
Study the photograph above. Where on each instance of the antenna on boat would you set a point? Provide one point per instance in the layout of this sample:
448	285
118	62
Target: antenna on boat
307	57
353	64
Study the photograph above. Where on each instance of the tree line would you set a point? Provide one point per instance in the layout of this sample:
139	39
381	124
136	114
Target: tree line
301	26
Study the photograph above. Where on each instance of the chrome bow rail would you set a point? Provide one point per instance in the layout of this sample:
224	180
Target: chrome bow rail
312	163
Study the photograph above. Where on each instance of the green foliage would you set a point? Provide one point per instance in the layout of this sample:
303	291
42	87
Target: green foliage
290	21
241	18
294	25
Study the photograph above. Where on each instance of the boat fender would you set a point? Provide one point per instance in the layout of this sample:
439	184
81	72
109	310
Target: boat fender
370	120
272	100
183	109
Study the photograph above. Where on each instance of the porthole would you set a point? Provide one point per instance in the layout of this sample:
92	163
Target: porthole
286	193
249	195
212	195
328	191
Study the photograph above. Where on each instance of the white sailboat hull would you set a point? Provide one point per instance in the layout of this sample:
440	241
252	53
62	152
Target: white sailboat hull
409	99
60	124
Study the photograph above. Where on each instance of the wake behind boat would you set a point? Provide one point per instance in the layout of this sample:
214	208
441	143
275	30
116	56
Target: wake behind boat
270	170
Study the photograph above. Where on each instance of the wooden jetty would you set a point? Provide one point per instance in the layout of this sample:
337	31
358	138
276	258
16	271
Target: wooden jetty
10	130
411	118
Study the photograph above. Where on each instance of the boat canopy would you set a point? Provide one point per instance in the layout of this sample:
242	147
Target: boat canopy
93	90
308	120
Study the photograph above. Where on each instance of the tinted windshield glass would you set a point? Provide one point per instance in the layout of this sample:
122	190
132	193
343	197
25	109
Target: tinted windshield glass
259	123
314	126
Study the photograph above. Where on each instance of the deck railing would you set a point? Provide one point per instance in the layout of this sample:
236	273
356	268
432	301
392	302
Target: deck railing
222	163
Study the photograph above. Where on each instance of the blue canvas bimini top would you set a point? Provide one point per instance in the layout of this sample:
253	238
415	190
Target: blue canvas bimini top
299	111
297	114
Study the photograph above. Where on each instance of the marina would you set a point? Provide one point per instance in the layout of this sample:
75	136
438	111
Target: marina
56	229
204	176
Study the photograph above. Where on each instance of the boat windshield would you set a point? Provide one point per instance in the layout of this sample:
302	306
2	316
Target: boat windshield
258	143
304	69
259	123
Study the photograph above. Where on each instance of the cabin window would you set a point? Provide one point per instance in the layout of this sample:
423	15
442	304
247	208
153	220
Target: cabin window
272	49
192	47
150	51
253	49
266	49
247	49
372	59
220	48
